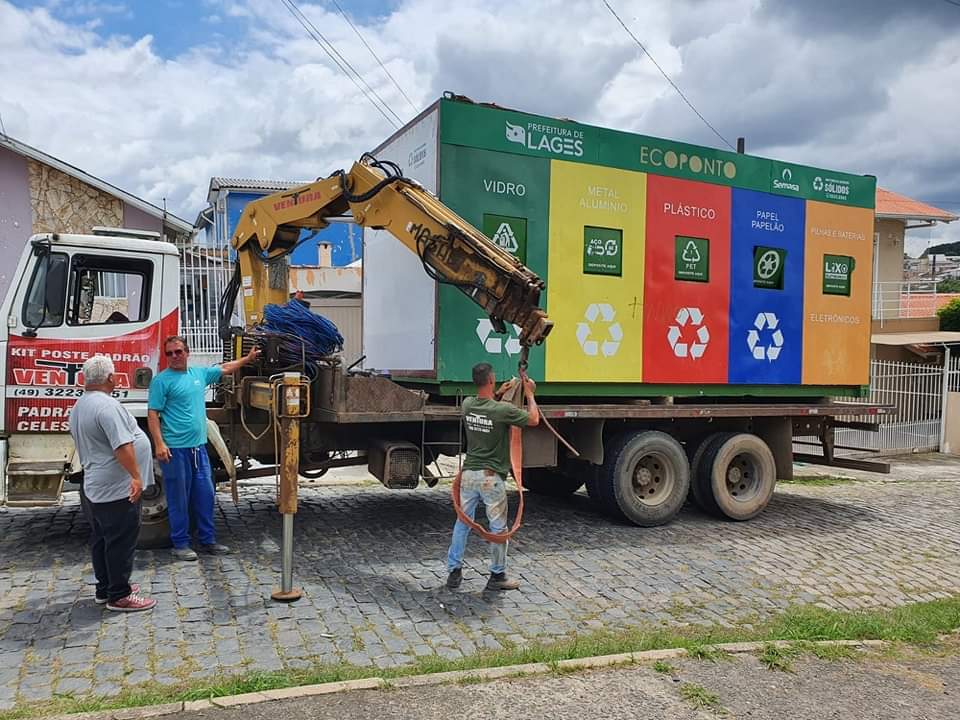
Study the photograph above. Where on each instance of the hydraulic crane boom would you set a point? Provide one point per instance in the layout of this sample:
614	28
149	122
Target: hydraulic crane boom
379	197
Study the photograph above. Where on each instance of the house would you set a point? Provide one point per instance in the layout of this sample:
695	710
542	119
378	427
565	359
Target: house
40	193
326	265
905	300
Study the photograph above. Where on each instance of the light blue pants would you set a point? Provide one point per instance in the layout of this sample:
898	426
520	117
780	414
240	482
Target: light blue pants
477	487
188	485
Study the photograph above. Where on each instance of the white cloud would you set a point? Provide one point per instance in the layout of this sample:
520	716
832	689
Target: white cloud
881	99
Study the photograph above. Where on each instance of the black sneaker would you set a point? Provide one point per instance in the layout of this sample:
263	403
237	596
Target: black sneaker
499	581
455	578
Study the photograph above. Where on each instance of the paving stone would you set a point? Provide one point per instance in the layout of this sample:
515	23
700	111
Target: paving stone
373	579
74	686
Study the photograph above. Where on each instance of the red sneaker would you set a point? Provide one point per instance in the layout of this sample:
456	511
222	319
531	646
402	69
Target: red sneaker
132	603
134	588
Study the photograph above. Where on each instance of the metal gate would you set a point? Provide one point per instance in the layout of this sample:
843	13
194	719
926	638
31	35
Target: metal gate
917	391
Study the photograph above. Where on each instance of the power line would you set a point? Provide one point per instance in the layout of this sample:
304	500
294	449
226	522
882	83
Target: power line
667	77
377	57
953	2
341	62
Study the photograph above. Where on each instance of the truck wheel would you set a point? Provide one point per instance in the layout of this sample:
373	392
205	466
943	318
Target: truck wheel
700	489
547	481
645	478
154	522
741	473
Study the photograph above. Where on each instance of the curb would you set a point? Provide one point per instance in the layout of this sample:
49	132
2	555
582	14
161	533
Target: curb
455	676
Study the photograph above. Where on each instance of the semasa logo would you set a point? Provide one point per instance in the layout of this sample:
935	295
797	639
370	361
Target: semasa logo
786	181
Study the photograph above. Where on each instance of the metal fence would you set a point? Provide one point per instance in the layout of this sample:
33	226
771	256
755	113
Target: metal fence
917	390
204	272
908	299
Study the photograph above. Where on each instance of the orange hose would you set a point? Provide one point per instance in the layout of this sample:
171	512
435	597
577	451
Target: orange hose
516	461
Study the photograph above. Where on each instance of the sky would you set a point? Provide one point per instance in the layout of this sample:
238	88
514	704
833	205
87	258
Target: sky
157	96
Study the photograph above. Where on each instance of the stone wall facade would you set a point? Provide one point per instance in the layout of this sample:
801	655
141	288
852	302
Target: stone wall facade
64	204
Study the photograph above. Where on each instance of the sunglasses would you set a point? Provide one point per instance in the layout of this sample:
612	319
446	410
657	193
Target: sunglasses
173	353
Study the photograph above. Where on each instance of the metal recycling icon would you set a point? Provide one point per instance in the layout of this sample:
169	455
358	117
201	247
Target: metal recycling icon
765	321
605	313
691	317
493	343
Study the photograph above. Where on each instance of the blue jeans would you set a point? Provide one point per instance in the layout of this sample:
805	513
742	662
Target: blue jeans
476	487
188	485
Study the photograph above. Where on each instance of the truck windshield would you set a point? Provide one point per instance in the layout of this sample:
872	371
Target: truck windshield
47	294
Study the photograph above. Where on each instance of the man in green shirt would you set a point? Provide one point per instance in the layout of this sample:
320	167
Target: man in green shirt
488	421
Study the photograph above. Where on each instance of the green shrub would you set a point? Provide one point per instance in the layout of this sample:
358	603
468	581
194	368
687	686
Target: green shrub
949	315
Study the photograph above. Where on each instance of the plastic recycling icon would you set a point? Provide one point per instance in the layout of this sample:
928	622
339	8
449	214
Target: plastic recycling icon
690	253
596	316
690	319
770	350
493	343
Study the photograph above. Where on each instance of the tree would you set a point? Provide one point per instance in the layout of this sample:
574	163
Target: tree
950	285
949	315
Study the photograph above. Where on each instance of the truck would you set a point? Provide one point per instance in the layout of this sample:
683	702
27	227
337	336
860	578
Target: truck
116	292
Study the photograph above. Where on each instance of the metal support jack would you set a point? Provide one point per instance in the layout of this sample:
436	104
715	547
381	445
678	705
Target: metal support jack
289	412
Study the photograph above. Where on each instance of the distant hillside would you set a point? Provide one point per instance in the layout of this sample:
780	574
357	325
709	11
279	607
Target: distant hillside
944	249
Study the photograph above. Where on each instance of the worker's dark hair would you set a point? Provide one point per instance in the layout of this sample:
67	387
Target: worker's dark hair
177	338
481	373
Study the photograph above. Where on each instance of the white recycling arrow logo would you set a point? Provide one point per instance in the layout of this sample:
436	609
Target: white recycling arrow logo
493	343
691	317
690	253
505	238
585	335
770	351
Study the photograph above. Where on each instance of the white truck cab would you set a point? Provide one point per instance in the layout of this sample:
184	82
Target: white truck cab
115	292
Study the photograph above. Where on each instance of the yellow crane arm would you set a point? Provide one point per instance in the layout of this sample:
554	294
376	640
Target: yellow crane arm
452	251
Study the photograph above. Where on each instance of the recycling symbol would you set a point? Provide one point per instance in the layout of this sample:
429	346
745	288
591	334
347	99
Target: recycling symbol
505	238
768	264
690	317
818	183
494	344
690	253
606	314
770	351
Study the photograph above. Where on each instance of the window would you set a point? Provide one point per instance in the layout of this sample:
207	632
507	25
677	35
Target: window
46	295
106	290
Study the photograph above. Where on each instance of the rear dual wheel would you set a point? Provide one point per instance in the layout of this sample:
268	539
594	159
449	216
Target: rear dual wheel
733	475
645	478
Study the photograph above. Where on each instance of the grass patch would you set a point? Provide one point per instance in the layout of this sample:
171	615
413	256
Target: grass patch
706	652
778	658
662	666
818	480
700	697
916	624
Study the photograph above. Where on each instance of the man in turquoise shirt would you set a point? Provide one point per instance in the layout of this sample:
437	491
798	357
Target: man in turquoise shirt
177	416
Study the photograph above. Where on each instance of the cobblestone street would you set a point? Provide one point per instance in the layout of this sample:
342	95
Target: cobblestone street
371	564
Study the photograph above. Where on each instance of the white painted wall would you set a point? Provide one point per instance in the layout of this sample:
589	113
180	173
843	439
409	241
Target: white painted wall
399	300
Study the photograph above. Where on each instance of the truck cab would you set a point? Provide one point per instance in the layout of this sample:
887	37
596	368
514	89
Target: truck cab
114	292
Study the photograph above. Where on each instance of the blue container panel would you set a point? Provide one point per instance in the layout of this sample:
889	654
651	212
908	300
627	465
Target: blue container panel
766	324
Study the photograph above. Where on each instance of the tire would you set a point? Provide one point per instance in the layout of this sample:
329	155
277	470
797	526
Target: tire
645	478
741	473
154	521
547	481
700	489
